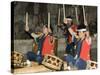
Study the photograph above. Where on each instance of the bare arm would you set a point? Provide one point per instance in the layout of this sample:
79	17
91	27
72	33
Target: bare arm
36	35
72	32
32	33
88	38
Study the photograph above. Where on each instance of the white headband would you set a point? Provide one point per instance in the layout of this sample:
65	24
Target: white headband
68	18
81	30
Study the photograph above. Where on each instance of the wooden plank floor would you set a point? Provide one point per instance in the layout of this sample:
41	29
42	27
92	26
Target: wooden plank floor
34	69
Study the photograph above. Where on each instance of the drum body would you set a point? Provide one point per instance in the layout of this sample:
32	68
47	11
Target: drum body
17	60
52	62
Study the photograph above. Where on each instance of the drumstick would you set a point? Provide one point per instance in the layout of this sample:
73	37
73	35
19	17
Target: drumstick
48	19
64	10
85	22
26	18
76	15
26	27
59	17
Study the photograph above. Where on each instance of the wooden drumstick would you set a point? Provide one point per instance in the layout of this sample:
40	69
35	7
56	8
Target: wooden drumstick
59	17
26	18
76	14
27	28
64	10
49	22
85	22
48	19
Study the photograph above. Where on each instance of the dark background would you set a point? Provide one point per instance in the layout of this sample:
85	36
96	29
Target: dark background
38	15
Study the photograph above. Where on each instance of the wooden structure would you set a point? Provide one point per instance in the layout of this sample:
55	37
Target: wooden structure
17	60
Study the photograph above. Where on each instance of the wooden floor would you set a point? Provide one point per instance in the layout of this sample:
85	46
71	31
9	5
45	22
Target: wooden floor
35	68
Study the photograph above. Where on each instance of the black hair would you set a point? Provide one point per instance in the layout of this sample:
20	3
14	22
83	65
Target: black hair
81	26
69	17
46	25
50	27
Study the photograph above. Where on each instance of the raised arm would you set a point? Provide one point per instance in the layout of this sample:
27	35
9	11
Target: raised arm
72	32
28	30
70	29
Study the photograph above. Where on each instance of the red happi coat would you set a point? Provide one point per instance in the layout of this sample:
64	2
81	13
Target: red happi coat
47	46
85	50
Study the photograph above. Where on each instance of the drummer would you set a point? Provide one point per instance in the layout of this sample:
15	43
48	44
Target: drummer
68	21
45	44
83	44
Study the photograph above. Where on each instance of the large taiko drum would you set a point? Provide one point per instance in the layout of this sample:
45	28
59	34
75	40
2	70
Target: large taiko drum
52	62
17	59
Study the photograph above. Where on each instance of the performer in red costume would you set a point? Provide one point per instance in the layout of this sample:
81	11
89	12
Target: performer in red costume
45	44
68	21
48	45
83	45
